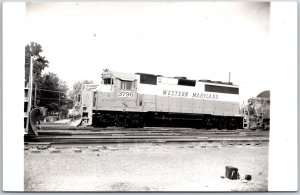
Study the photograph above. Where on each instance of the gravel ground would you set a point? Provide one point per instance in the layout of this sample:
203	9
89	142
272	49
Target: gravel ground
146	167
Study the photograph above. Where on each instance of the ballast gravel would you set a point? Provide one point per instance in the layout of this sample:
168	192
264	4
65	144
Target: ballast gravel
146	167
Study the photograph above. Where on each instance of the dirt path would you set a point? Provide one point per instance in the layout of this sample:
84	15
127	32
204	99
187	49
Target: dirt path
147	167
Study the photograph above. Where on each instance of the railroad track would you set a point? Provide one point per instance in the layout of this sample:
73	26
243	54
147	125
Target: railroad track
57	134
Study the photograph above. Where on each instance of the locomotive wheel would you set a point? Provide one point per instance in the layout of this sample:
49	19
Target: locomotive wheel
135	123
205	123
198	126
233	124
99	121
228	126
120	120
220	124
127	122
141	122
209	123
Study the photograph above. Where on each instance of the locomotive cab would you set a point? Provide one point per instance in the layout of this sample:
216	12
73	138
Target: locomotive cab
122	88
115	100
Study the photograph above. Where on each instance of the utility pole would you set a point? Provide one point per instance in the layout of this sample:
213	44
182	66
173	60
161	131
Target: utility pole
58	104
35	95
30	93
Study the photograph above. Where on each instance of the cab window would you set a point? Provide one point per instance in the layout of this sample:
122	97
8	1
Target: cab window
127	85
108	81
94	99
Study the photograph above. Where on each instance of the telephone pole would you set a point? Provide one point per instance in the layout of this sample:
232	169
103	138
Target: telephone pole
29	94
35	95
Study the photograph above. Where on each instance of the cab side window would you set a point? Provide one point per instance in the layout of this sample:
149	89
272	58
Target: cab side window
127	85
108	81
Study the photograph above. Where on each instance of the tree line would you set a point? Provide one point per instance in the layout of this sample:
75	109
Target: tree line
49	90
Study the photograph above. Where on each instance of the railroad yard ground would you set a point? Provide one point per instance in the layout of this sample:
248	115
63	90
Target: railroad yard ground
191	166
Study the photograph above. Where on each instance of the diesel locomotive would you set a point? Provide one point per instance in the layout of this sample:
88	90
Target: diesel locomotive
138	100
257	112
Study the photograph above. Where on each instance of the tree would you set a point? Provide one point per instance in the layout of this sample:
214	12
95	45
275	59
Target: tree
51	92
77	88
34	50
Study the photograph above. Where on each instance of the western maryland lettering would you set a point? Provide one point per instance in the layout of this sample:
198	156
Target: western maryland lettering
205	96
175	93
193	95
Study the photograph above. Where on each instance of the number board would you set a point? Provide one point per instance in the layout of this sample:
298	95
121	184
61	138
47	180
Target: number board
126	94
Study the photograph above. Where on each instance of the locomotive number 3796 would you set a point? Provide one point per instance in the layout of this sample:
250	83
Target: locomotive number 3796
125	94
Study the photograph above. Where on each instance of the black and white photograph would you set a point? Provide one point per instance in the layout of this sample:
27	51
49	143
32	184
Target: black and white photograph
155	96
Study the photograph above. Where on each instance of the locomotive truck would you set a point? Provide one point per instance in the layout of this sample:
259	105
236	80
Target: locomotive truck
140	99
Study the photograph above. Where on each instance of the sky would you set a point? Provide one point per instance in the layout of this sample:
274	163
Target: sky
199	40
